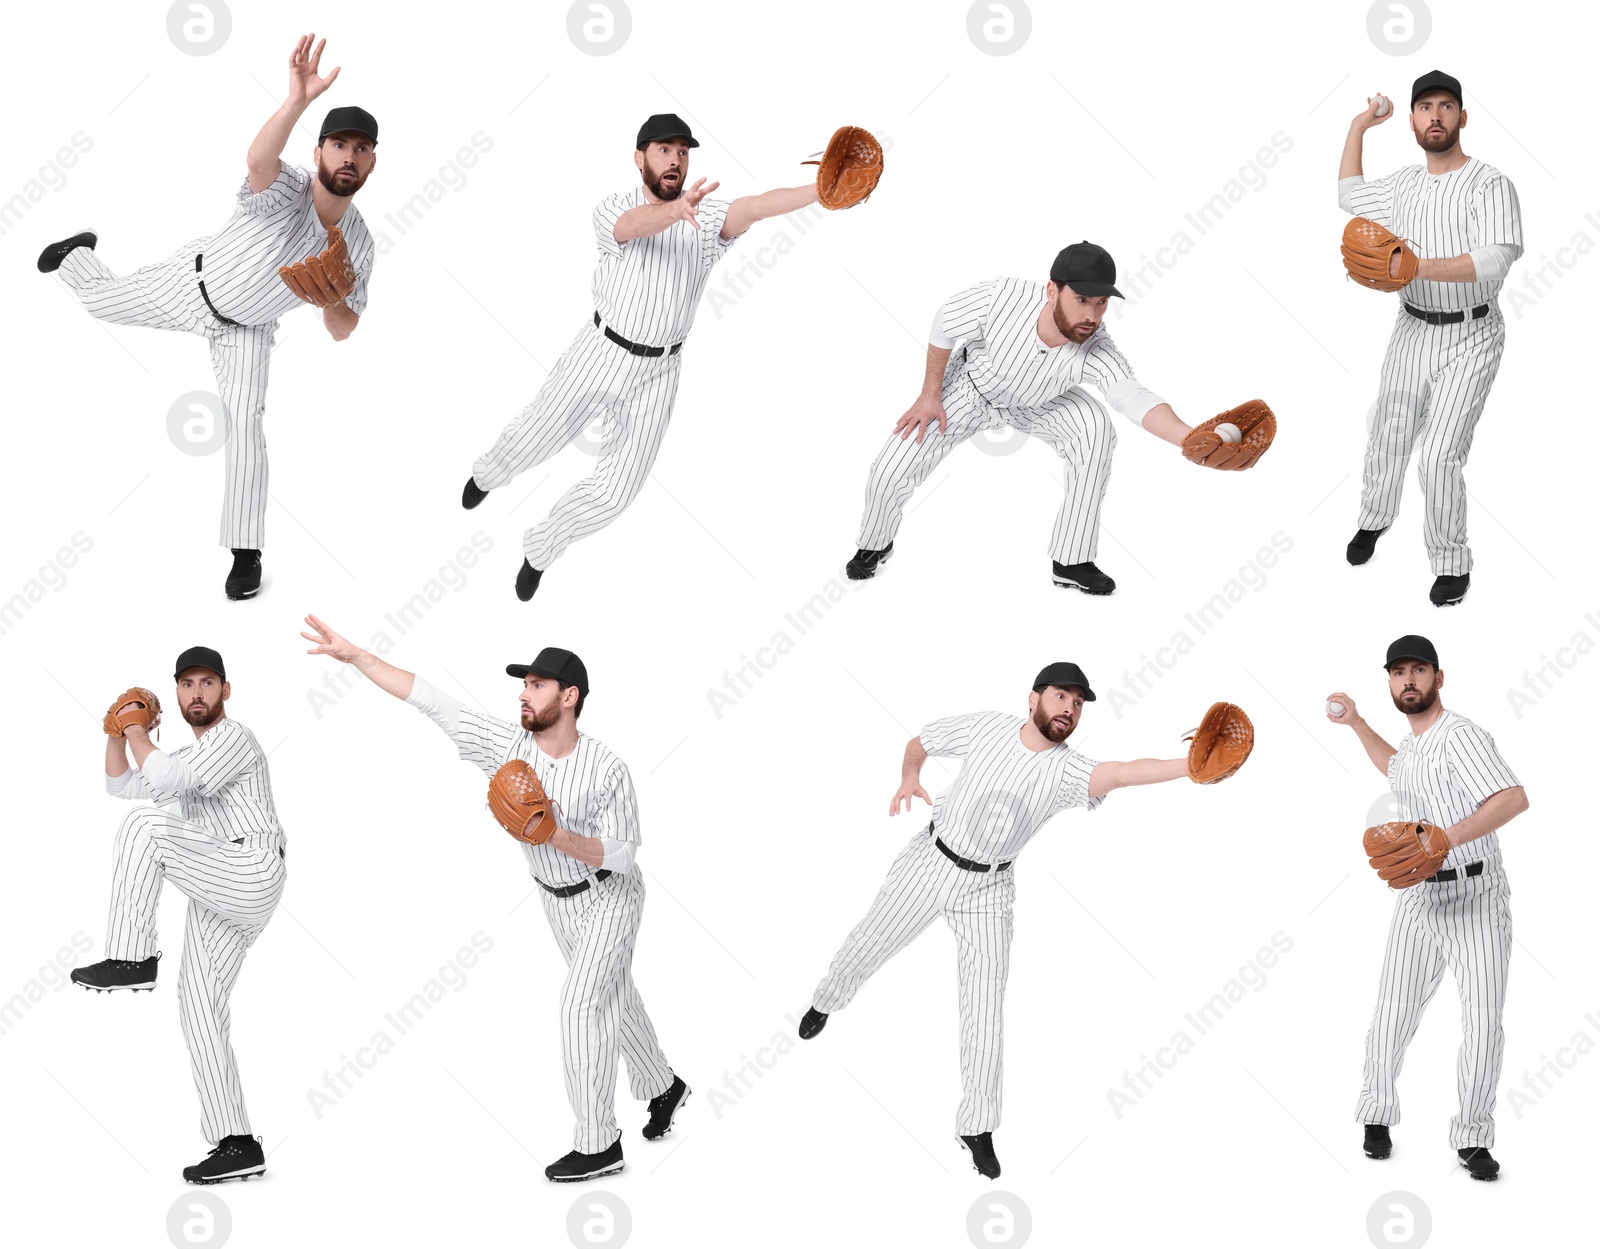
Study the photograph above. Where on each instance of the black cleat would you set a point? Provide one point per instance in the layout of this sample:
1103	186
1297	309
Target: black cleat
1478	1163
118	973
234	1158
528	580
51	257
244	578
1085	577
981	1147
1376	1143
866	563
1360	547
664	1109
471	496
1448	591
812	1022
575	1166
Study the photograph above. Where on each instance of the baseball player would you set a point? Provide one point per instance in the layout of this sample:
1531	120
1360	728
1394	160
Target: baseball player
1446	771
1463	219
657	244
228	288
1016	773
207	826
592	891
1026	351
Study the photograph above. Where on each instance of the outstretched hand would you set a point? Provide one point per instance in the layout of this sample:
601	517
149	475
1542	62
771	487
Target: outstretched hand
687	206
304	61
329	643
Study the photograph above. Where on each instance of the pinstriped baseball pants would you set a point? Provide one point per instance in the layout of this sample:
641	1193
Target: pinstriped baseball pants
921	886
602	1014
166	296
1434	385
232	891
593	376
1076	427
1465	925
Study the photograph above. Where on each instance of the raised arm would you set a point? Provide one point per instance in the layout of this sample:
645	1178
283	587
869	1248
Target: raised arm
1120	775
266	150
745	211
385	676
1378	750
648	219
1350	158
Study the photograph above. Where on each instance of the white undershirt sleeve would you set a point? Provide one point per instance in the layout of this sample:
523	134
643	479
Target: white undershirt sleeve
438	706
1493	260
1133	400
936	335
617	855
1347	187
166	775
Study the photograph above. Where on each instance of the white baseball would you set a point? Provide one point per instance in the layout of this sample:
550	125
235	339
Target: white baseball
1228	432
1335	709
1383	105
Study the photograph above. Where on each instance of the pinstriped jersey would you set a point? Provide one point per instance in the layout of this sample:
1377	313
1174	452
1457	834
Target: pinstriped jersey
648	289
1004	792
1445	775
1006	359
1445	215
233	792
591	786
275	227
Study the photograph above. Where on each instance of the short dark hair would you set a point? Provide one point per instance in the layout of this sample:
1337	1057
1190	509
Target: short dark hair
563	687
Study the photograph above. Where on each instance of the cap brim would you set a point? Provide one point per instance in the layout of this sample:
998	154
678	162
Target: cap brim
1088	694
1094	289
657	138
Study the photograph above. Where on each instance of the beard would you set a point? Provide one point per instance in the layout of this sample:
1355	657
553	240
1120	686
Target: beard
1067	330
202	717
539	721
1424	702
334	185
1047	727
664	192
1439	143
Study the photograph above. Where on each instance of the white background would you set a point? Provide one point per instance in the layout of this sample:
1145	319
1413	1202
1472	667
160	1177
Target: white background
764	826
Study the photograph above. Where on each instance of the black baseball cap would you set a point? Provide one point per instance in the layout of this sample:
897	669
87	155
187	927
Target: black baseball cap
557	665
1412	646
1064	675
1435	80
1087	268
665	126
352	119
199	657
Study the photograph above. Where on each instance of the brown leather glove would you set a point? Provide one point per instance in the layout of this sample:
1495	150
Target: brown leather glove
325	279
1369	252
518	801
135	705
1257	428
1219	747
849	170
1405	852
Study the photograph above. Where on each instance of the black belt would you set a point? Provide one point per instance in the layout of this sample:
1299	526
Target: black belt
968	865
207	298
571	891
1450	873
637	349
239	841
1445	318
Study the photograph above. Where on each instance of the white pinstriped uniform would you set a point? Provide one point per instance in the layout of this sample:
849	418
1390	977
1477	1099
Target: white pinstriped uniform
1436	378
1004	375
1465	925
601	1011
240	263
1002	796
647	290
218	841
